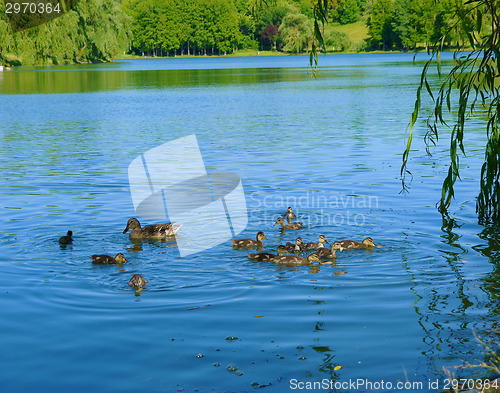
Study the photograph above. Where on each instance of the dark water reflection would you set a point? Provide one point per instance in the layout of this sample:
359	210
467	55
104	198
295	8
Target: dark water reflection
330	147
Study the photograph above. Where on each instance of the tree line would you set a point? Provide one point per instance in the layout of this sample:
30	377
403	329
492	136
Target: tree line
98	30
218	26
201	27
408	24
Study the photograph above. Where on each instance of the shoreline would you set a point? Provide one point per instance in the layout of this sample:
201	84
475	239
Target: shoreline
246	53
252	54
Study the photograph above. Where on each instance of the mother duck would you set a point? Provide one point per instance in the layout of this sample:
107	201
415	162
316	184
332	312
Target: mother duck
153	231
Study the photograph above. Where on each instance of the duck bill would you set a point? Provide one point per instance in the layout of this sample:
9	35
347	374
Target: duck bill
126	229
326	241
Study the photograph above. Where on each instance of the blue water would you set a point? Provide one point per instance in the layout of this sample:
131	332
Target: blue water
328	146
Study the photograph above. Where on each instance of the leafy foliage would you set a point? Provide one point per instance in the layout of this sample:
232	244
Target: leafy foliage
475	77
474	24
407	24
296	32
96	30
187	26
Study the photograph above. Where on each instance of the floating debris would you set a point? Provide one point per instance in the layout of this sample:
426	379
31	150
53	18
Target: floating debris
256	384
231	338
233	369
200	355
196	308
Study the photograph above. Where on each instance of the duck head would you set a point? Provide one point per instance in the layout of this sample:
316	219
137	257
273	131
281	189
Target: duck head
369	242
313	257
279	221
137	281
281	250
260	236
336	246
322	239
120	258
132	223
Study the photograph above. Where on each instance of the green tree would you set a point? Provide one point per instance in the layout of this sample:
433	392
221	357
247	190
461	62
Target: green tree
379	24
246	25
6	36
336	41
349	12
344	11
95	30
296	31
226	29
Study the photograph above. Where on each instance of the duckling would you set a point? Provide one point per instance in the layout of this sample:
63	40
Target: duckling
296	260
294	247
265	256
137	281
367	243
289	214
250	243
156	231
315	246
68	239
325	253
293	225
108	260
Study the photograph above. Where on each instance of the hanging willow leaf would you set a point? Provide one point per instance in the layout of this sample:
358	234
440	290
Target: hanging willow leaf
474	79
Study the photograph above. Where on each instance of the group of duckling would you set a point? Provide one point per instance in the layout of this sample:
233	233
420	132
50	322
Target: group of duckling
153	231
165	231
320	254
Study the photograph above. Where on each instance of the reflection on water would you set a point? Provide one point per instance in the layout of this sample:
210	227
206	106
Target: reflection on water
330	147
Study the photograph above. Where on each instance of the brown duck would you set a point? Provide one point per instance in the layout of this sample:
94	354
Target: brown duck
289	214
294	247
137	281
266	256
342	245
108	260
292	225
153	231
296	260
250	243
327	253
315	246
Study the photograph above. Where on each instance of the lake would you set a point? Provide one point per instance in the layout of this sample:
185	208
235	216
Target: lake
216	321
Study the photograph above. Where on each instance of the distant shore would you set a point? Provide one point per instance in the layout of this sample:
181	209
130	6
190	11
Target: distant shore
250	53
